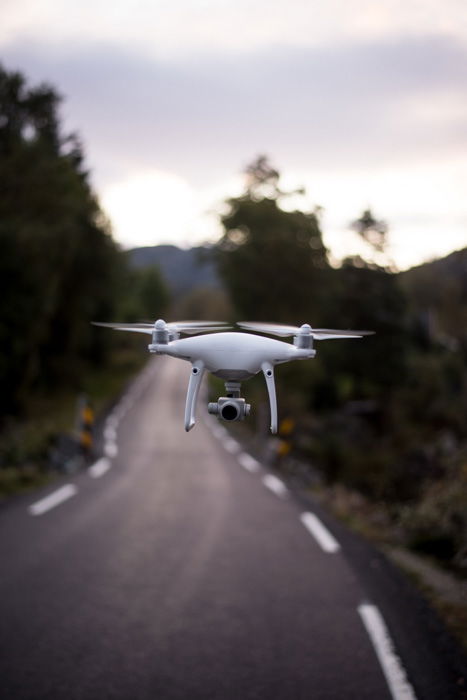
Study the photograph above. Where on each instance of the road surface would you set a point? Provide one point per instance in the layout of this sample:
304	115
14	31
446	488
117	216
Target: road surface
177	567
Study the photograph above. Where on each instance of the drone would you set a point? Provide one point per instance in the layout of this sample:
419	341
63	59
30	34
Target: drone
233	357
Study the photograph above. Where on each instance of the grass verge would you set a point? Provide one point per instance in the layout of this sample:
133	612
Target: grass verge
26	444
444	589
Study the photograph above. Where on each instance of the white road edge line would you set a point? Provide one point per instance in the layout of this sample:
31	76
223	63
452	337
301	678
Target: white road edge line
53	499
100	467
110	433
218	429
275	485
112	422
231	445
111	449
248	462
315	527
391	665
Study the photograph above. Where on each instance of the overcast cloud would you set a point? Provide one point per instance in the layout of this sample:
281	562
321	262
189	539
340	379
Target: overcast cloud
322	107
354	105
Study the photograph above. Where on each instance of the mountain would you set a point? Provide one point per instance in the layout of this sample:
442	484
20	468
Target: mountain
183	269
452	266
438	289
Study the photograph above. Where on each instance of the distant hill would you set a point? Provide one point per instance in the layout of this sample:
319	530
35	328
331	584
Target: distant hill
439	290
453	264
434	282
183	270
436	290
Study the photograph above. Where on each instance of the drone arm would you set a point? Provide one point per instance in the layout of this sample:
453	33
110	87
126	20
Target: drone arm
268	371
197	372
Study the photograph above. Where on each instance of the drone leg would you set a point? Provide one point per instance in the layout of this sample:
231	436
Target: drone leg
268	371
197	372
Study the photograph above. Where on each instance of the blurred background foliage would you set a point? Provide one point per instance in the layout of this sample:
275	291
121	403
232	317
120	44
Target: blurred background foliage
60	269
383	417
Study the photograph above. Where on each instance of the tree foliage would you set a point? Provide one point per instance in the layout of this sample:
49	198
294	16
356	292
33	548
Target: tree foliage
143	294
59	266
374	413
372	230
383	415
272	260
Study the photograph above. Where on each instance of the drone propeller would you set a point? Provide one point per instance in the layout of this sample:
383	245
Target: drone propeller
284	330
187	327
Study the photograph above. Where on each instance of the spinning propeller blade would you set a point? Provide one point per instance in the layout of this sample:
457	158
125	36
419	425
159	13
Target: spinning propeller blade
317	333
187	327
135	327
271	328
190	327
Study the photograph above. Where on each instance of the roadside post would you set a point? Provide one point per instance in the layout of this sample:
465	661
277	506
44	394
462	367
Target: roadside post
286	429
85	425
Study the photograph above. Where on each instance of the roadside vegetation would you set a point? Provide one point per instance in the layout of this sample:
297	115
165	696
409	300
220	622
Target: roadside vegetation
60	269
383	417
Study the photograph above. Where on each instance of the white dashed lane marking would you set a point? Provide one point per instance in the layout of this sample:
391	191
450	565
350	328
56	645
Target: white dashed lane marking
275	485
100	467
219	433
110	449
110	433
112	421
391	665
232	446
248	462
53	499
315	527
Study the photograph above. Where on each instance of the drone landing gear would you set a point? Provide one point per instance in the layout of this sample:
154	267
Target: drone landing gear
232	406
268	371
196	376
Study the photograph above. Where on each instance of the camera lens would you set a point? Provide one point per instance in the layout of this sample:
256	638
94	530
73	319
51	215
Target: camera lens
230	411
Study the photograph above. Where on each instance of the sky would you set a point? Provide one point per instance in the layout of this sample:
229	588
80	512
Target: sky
363	103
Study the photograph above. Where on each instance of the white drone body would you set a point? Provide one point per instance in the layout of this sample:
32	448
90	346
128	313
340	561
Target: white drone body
233	357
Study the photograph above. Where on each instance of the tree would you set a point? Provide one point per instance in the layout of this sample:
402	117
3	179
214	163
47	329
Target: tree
272	261
58	262
367	297
143	294
372	231
262	179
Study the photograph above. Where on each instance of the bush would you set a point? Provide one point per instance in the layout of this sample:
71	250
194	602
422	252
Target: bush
437	524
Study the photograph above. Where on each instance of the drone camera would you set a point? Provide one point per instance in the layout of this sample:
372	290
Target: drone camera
230	409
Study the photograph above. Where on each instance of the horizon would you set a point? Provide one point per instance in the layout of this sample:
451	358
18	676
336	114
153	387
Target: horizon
334	263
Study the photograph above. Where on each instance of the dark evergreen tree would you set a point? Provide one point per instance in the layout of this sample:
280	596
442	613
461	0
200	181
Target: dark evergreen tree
58	262
273	261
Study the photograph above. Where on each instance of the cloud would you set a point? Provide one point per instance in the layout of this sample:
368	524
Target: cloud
385	120
326	106
176	27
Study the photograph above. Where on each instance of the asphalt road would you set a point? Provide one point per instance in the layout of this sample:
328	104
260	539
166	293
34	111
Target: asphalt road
179	567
